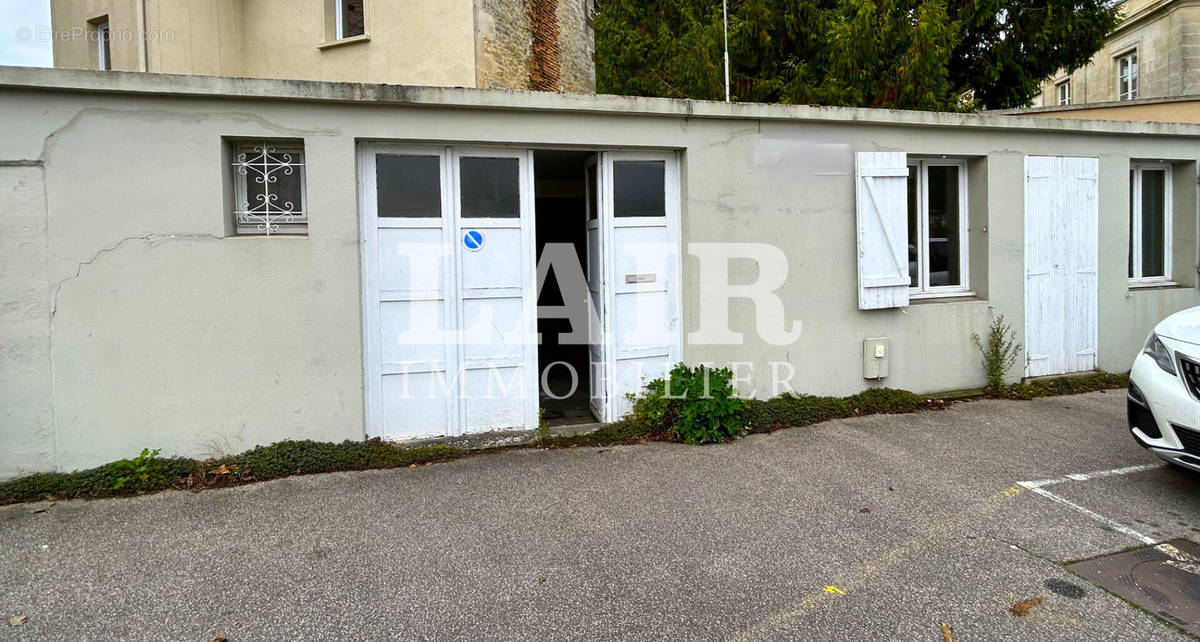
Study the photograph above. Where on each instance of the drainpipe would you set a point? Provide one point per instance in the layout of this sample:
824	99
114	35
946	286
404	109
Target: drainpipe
143	51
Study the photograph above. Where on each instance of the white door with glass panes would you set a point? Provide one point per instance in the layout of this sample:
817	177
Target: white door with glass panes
493	223
634	265
1061	256
448	290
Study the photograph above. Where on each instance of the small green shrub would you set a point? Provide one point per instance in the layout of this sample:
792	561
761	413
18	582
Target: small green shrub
136	469
999	353
695	405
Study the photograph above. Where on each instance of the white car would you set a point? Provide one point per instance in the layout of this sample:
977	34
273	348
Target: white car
1164	391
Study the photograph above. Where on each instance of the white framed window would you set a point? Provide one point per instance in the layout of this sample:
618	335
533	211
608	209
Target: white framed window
1127	76
1063	92
1149	223
103	46
350	18
937	227
269	187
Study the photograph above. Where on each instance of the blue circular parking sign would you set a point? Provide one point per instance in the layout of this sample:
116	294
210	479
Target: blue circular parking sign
473	240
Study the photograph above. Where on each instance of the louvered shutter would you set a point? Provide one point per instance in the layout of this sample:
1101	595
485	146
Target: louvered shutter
881	192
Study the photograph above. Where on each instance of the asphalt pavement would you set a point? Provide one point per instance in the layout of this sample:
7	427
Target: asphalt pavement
874	528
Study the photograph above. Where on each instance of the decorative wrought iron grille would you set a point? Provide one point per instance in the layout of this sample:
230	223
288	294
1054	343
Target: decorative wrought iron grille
270	189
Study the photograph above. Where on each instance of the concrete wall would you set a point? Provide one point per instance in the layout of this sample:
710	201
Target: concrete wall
1166	35
133	319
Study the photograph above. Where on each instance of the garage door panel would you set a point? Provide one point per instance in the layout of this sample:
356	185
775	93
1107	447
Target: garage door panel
497	264
644	258
410	259
413	332
495	398
643	321
496	330
414	405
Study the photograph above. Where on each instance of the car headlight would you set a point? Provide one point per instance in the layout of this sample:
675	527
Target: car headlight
1157	351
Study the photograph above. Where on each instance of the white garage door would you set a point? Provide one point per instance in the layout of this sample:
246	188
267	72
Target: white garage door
447	291
633	247
1061	239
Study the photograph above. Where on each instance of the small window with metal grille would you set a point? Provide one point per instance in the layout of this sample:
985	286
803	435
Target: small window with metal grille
268	180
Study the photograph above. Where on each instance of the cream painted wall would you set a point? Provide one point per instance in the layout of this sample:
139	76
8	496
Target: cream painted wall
167	333
75	43
414	43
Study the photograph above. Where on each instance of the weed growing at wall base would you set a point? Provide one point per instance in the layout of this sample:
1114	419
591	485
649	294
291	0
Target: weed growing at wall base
999	353
281	459
148	473
694	405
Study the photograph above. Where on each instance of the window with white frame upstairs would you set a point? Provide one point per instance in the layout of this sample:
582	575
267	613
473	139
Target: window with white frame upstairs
350	17
1127	76
1063	91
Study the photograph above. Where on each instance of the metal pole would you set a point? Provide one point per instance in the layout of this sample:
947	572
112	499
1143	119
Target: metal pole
725	17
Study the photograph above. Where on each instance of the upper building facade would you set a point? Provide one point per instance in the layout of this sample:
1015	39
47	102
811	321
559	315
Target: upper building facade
544	45
1153	53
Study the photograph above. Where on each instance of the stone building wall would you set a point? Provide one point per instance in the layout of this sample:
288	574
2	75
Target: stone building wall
1166	36
543	45
577	41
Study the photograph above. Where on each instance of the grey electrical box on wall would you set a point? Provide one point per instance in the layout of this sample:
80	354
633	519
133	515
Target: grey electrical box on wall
875	358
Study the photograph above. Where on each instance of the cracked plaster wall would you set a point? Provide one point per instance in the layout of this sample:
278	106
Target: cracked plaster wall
167	333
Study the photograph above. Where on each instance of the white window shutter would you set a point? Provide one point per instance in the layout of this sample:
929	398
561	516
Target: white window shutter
881	192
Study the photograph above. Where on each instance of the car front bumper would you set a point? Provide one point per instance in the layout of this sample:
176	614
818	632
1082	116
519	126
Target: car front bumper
1163	415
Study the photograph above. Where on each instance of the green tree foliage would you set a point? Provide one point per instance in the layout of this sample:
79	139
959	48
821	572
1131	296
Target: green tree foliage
907	54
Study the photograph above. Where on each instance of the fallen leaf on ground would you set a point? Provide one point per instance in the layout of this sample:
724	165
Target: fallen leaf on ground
1022	608
223	470
864	510
18	620
946	632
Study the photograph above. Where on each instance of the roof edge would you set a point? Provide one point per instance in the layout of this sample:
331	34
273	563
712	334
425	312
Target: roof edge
1108	104
222	87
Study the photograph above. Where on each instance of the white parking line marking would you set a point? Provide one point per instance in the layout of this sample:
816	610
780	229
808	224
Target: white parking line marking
1111	523
1093	475
1116	471
1039	487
